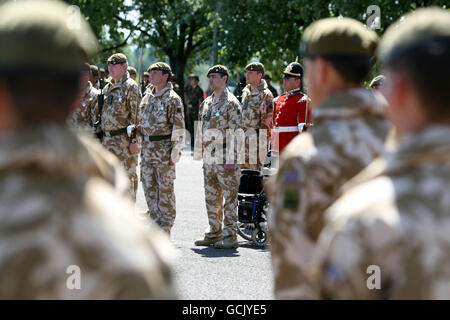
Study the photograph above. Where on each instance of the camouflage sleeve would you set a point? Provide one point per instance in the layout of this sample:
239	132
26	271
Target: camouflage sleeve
92	111
133	103
198	143
268	111
177	122
234	116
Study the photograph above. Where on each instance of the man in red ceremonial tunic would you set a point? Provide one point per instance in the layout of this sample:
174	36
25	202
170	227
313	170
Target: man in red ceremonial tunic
289	117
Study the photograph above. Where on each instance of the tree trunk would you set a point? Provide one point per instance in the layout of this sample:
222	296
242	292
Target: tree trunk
178	65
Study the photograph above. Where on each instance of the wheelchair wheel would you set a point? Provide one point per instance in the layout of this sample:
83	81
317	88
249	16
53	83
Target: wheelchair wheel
260	237
245	230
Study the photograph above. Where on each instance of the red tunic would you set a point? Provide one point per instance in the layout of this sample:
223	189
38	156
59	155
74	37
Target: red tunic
289	112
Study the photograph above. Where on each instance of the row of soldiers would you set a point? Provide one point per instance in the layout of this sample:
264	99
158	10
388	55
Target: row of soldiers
336	213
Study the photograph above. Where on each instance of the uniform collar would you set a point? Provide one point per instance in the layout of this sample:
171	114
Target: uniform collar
350	104
260	87
167	88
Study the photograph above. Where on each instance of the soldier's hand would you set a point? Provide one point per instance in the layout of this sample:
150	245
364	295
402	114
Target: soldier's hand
134	147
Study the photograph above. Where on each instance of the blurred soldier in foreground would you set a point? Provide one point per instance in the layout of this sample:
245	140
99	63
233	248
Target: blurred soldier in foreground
349	131
193	96
220	113
269	86
291	108
65	232
82	115
256	116
162	131
388	235
119	111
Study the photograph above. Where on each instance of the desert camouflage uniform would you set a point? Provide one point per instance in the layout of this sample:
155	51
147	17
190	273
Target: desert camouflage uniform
394	215
57	210
83	115
162	115
257	115
119	111
349	132
217	117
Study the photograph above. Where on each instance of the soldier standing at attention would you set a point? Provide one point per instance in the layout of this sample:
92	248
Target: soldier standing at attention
132	72
388	234
193	98
59	216
256	115
162	131
82	115
119	111
220	113
291	108
350	128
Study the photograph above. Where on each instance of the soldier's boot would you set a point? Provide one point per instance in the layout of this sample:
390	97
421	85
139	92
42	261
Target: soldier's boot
229	242
207	241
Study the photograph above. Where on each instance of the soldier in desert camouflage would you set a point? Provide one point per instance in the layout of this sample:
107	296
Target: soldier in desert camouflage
349	131
256	116
83	111
58	209
220	114
393	220
162	131
120	110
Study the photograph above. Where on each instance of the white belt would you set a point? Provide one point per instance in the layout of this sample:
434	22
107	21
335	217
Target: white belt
286	129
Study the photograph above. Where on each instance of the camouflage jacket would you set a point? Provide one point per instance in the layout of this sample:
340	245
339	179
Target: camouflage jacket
120	108
193	96
393	217
257	107
220	118
162	115
83	115
349	132
64	227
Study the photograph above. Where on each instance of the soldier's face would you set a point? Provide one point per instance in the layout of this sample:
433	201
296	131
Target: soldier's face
157	78
193	82
312	81
253	77
216	81
291	83
117	70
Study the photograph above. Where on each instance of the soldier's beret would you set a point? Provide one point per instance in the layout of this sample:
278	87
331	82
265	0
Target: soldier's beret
427	30
294	69
378	80
117	58
94	69
102	70
267	77
218	69
338	37
86	67
194	76
146	74
37	34
255	66
131	70
160	66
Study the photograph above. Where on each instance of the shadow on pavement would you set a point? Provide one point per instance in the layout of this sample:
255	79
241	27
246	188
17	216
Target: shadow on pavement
211	252
251	245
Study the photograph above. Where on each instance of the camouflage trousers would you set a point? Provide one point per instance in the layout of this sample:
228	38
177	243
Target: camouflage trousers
158	184
118	145
220	185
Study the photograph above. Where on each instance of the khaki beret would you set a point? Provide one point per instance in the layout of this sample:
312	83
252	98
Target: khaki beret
294	69
378	80
37	34
338	37
131	70
218	69
426	30
117	58
255	66
194	76
160	66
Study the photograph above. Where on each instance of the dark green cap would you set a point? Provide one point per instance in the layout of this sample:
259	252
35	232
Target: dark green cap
43	34
255	66
294	69
146	74
218	69
160	66
94	69
194	76
117	58
378	80
132	71
426	30
338	37
267	77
